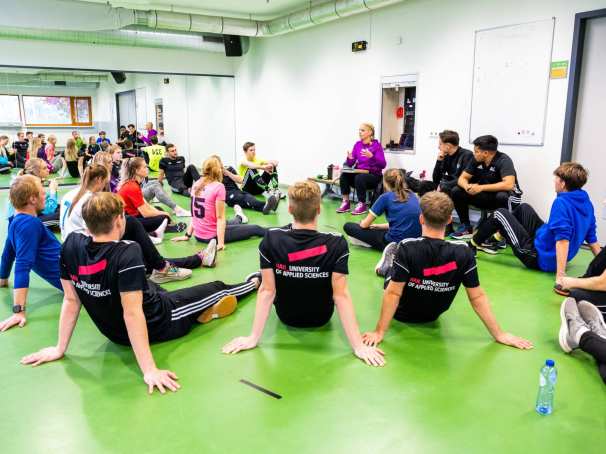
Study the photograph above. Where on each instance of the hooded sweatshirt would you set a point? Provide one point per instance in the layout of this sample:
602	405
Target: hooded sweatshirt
571	218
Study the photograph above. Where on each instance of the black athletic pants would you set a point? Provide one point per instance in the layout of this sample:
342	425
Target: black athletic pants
185	305
184	185
72	168
373	237
518	228
484	200
596	346
239	232
597	298
244	199
50	220
152	223
151	257
362	182
256	182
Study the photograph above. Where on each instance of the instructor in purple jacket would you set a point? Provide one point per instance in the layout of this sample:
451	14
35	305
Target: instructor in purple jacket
367	154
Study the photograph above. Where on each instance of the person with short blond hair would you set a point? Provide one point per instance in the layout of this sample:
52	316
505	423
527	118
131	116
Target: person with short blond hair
547	246
426	274
29	246
106	275
304	275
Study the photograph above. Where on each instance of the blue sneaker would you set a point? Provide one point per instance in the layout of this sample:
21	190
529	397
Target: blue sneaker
462	233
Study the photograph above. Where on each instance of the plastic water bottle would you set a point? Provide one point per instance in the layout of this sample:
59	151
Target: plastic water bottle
547	381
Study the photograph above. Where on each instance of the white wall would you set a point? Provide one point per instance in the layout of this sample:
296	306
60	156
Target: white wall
301	96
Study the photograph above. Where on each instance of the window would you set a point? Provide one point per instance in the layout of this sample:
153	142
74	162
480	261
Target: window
398	102
57	110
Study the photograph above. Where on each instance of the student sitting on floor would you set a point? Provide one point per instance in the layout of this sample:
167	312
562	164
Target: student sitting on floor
155	153
105	158
547	246
162	270
50	213
489	182
72	159
583	327
107	276
367	154
426	274
55	164
258	175
304	275
29	245
208	210
172	166
235	196
7	158
21	147
103	137
134	172
401	208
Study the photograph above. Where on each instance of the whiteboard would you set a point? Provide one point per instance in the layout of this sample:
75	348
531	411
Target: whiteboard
511	82
10	112
47	110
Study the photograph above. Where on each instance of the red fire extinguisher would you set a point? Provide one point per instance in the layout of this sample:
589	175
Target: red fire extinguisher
400	112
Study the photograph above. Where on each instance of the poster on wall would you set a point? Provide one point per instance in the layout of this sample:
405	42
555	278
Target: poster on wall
159	108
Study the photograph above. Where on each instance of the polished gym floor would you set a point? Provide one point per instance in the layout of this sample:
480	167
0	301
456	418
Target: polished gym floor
447	386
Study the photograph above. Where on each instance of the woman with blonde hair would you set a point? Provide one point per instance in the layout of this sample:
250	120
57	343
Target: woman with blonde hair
71	158
46	152
208	210
105	158
367	161
401	208
50	214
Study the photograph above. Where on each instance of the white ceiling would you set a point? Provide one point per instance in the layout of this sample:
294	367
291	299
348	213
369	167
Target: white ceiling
257	9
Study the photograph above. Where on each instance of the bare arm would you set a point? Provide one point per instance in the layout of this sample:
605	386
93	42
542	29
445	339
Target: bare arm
481	306
148	211
252	165
234	177
595	248
134	318
463	180
596	283
70	310
368	220
265	299
391	298
221	223
340	293
561	257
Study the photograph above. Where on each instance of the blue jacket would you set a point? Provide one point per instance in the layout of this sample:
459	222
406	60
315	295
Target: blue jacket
571	218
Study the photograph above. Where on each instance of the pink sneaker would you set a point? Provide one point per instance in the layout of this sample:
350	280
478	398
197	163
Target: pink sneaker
360	209
345	207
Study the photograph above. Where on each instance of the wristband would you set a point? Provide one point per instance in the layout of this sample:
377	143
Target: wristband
188	235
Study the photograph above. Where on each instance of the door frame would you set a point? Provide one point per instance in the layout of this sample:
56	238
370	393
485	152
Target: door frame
118	109
574	79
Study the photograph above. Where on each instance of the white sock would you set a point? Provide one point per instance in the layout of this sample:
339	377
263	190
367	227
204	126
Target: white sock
160	230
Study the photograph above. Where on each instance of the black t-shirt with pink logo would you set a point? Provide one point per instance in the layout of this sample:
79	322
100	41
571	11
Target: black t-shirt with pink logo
303	262
432	271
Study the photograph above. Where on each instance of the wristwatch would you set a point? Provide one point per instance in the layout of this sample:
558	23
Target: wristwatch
17	309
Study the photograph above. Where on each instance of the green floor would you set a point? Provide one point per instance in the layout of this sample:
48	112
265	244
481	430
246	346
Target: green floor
447	386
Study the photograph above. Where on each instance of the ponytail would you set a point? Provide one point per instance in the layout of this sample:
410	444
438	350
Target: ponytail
92	173
129	169
395	181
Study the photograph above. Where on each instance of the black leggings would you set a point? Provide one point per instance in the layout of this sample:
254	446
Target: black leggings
244	199
485	200
362	182
256	182
596	346
238	232
151	257
185	305
373	237
518	228
152	223
72	168
183	186
597	298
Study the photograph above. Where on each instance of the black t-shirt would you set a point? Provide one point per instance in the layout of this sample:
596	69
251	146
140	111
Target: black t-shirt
432	271
500	167
99	272
230	185
448	170
303	262
173	168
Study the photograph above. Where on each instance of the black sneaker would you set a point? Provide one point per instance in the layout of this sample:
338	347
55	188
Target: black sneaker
499	244
490	247
270	204
175	228
254	275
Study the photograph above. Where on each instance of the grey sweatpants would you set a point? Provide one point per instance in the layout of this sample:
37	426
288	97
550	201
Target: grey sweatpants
153	189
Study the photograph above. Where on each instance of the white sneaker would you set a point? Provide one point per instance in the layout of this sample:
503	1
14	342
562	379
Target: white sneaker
240	213
155	240
357	242
172	273
209	254
160	230
182	213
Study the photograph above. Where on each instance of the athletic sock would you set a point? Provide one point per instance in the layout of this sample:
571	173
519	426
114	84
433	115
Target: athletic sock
160	230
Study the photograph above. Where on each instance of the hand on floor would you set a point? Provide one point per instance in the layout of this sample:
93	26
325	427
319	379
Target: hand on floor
239	344
514	341
46	355
372	356
158	378
180	238
3	282
372	338
13	320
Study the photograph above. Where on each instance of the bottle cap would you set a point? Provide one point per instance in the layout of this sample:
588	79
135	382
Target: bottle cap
550	363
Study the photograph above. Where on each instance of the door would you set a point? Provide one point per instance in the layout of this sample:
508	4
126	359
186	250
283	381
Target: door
588	144
127	108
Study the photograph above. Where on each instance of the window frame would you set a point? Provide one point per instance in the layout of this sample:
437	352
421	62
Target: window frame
72	107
